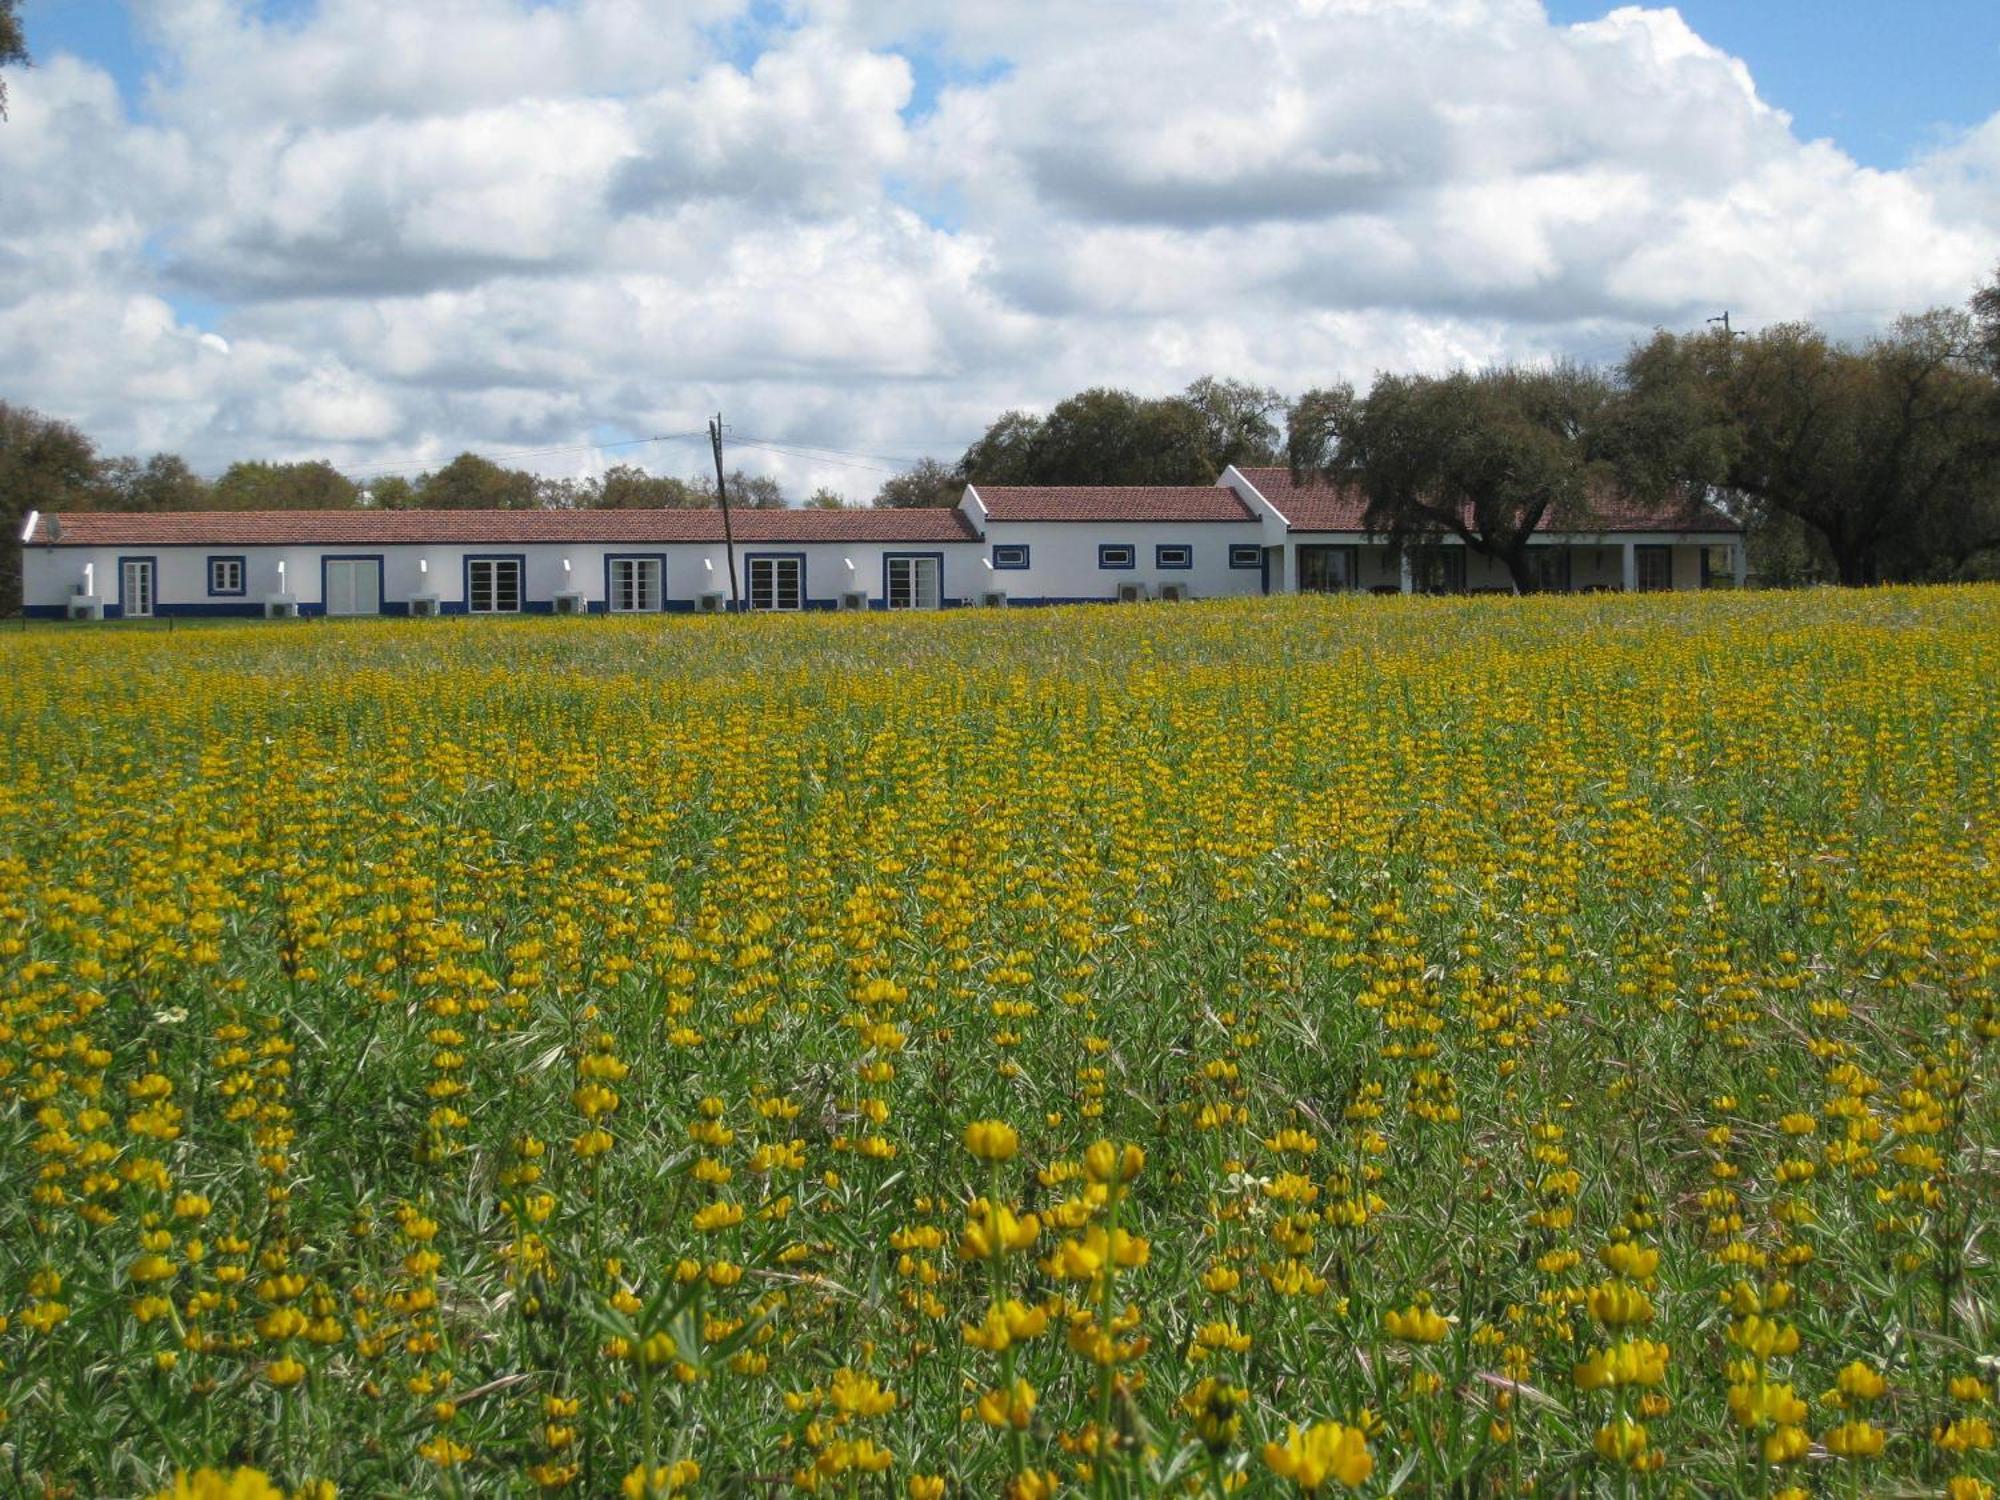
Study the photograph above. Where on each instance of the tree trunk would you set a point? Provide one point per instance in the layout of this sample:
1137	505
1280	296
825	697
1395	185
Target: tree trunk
1525	579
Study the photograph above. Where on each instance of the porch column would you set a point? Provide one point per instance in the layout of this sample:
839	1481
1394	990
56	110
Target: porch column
1403	572
1629	556
1291	567
1740	561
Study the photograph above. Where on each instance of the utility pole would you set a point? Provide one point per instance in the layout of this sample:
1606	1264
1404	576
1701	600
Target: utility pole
722	495
1727	331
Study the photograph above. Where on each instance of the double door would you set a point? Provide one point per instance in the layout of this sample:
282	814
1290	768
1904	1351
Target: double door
353	586
1328	569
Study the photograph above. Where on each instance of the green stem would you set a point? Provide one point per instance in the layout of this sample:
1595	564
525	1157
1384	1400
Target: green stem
1107	1377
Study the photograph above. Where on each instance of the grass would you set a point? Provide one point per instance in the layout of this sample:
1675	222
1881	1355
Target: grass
583	1056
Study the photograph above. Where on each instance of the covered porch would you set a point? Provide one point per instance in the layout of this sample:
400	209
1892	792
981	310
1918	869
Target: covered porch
1337	564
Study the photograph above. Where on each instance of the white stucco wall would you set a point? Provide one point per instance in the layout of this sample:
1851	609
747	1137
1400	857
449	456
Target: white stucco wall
1062	559
52	575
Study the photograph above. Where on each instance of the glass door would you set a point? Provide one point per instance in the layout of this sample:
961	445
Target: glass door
777	583
913	583
353	586
493	586
635	584
1328	570
135	587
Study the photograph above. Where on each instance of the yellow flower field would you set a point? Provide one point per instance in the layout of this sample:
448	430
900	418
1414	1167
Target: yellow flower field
1282	1047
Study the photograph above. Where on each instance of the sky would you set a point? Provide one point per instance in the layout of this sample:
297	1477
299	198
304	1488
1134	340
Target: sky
381	233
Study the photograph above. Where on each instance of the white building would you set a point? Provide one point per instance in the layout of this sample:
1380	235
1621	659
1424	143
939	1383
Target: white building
372	562
1106	543
1253	531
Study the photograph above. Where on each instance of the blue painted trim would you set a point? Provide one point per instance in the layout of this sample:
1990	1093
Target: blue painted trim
520	560
1246	555
936	557
1001	564
615	557
215	611
805	602
1130	549
381	580
117	611
242	588
1161	549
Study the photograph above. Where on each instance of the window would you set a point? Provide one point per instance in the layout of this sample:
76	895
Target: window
1246	555
1441	571
777	582
635	585
1117	555
1173	555
225	575
1328	570
493	585
1655	567
1550	566
1010	555
910	582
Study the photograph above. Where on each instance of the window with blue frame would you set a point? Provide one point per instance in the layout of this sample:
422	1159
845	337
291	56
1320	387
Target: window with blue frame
225	576
1117	555
1173	555
1009	556
1246	555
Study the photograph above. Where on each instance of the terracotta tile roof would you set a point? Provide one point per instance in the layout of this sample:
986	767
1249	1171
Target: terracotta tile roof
1112	502
1316	505
377	528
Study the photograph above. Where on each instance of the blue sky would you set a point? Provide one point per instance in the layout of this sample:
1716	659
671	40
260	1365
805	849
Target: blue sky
1886	79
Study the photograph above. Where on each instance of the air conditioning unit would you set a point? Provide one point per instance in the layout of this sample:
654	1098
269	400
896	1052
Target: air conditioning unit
993	599
281	607
569	603
711	604
1131	593
1175	592
854	599
426	605
86	607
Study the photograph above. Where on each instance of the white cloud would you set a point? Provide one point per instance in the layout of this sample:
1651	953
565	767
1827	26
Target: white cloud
497	223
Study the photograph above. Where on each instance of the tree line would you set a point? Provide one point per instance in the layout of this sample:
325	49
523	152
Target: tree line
1869	463
1858	464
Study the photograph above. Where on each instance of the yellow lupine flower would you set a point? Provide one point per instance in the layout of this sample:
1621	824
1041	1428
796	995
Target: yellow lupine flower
1855	1439
1416	1324
992	1140
213	1484
1322	1452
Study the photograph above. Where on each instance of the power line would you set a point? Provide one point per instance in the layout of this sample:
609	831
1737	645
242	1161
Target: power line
838	463
819	450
